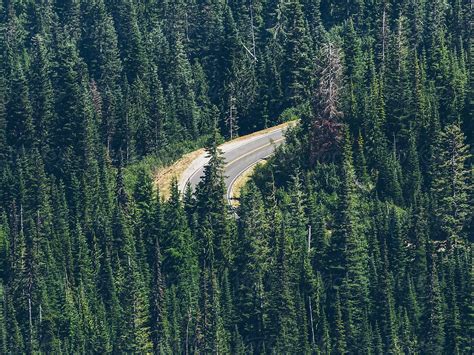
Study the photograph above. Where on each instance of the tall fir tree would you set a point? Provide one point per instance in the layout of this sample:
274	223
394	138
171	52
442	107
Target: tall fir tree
451	184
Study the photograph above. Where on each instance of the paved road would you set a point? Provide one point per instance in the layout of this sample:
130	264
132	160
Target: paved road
239	156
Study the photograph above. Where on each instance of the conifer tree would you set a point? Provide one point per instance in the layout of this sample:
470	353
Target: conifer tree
99	44
182	263
298	55
251	262
419	236
159	323
451	184
434	335
412	178
134	332
42	97
211	335
388	318
130	39
20	127
282	312
139	118
201	89
397	86
211	205
158	124
68	132
354	243
143	215
205	32
312	9
179	242
3	126
353	76
15	342
186	108
340	345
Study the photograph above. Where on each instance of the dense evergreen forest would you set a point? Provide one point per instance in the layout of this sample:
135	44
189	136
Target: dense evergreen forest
355	239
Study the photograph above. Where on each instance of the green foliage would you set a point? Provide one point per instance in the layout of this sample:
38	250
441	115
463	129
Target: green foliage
355	238
451	183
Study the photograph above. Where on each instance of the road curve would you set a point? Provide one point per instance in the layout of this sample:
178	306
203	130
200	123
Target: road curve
239	155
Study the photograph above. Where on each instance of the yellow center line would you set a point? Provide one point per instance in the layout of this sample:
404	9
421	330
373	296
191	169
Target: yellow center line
253	151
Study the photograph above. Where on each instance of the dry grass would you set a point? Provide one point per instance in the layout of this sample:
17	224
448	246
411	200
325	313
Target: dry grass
266	130
164	176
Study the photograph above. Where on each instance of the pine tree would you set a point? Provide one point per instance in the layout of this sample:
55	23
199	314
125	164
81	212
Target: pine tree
186	108
68	128
211	205
340	345
453	322
99	44
3	126
434	335
387	316
230	48
42	96
419	236
15	342
298	66
182	263
180	256
205	33
3	321
139	119
211	335
354	244
130	39
134	329
201	89
20	126
282	312
397	85
396	241
412	178
312	9
451	184
158	124
159	330
251	263
352	95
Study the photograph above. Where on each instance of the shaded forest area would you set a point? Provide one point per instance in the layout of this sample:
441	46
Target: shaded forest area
355	238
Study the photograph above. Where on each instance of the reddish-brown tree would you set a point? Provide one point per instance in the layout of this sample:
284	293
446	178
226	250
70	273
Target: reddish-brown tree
326	127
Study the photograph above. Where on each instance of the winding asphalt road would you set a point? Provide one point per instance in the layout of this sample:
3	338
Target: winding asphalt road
239	156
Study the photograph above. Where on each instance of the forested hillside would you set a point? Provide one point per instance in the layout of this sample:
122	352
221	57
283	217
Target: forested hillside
355	239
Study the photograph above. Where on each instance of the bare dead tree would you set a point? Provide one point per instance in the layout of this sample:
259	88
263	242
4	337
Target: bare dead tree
252	29
232	117
384	33
252	51
96	98
326	127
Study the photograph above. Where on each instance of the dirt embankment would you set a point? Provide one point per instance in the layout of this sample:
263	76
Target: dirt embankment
164	176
